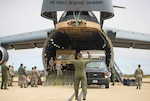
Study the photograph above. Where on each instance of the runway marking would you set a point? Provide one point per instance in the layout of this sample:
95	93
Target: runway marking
72	98
80	95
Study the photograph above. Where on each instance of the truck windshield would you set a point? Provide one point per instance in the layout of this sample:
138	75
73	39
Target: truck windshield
96	64
63	57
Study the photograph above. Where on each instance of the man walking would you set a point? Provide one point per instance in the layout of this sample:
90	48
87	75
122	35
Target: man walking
138	76
80	73
4	70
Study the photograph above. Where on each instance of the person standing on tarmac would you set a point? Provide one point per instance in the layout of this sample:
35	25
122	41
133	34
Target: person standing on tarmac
22	76
34	77
80	73
138	76
11	75
4	70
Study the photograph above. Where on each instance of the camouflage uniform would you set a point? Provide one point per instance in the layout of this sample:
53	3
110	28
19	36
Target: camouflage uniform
58	68
138	76
11	75
4	70
80	75
34	77
22	76
51	64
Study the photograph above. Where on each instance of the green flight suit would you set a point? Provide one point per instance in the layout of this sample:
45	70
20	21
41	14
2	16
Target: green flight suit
4	70
80	74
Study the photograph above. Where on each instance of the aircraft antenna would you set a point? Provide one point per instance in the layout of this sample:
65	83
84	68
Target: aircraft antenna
119	7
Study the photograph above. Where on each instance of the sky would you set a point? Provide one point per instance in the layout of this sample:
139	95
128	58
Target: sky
20	16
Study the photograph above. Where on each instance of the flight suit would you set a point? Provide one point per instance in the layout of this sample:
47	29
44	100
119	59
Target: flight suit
80	74
4	70
138	77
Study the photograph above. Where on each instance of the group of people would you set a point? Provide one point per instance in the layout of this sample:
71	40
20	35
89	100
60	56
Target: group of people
80	74
33	79
24	79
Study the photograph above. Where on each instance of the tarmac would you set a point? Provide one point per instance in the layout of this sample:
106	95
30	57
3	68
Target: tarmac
118	92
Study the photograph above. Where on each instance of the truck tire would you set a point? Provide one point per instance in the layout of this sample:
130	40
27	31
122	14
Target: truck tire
107	85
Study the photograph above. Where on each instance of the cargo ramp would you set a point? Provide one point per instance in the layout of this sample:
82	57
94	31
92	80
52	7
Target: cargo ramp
67	78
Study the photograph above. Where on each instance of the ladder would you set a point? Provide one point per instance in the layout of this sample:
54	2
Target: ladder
118	73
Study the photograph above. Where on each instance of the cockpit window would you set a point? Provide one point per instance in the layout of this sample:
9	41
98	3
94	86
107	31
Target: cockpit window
63	57
87	15
64	14
69	13
91	14
82	13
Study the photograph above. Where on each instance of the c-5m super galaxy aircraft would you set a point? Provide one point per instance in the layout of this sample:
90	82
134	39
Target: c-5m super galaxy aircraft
77	29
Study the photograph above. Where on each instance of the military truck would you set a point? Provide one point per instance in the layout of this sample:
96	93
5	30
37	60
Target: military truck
63	56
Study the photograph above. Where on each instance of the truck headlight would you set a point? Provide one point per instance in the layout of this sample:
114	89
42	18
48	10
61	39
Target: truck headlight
106	75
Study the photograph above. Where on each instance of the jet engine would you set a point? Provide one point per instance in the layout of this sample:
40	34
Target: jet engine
3	55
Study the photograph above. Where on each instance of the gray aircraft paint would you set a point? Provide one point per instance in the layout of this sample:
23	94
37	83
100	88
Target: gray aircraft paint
104	6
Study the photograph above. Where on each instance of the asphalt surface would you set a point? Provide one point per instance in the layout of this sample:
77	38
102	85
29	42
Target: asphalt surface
118	92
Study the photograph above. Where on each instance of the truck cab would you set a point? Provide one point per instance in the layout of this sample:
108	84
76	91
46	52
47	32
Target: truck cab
63	56
97	71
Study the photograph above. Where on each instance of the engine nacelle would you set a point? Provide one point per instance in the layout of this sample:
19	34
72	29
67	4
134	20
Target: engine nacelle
3	55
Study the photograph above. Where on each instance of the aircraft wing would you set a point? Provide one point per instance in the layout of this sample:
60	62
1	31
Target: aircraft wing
127	39
25	40
119	38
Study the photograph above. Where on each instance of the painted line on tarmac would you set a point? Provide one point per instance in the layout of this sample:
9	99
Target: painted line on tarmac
80	96
72	98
